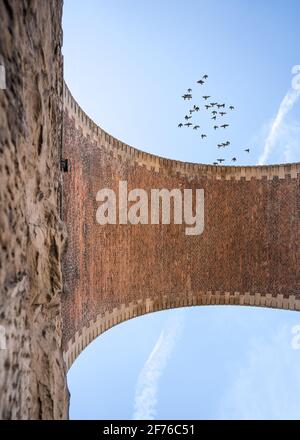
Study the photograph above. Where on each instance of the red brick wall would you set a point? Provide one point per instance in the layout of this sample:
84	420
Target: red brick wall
249	251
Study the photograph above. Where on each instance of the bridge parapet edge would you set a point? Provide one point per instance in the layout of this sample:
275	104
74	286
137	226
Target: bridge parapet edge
160	164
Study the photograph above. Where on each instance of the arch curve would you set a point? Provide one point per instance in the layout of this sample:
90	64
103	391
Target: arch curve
104	322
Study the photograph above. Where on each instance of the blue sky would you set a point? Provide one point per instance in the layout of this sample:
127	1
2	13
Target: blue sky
128	63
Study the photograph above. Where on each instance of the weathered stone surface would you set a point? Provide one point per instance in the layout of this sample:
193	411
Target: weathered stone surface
32	372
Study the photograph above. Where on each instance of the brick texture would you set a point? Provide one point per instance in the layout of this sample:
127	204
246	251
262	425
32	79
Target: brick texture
248	254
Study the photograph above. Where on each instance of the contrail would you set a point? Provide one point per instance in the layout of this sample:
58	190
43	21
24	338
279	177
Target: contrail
286	105
146	389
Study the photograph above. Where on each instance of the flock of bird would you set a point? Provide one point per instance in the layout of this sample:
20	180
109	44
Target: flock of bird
217	111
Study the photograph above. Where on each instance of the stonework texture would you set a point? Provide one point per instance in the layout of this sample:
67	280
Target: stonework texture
32	371
249	252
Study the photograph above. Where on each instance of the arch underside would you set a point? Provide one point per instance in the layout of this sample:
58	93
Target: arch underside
105	321
250	243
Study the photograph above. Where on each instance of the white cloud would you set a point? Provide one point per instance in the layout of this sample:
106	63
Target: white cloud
275	129
147	384
290	141
267	383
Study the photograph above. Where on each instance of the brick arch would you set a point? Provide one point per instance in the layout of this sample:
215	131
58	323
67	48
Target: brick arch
249	253
104	322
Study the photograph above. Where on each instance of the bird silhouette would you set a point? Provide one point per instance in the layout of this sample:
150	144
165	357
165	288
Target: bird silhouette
247	150
214	114
215	163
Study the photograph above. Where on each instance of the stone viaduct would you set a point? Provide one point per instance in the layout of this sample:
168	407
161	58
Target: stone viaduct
64	279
